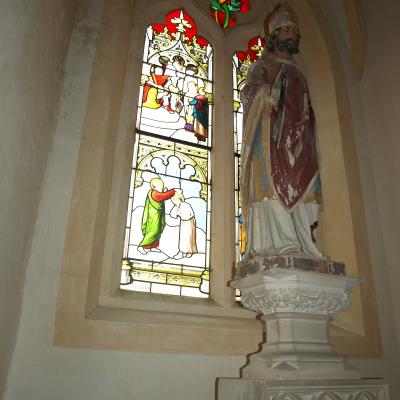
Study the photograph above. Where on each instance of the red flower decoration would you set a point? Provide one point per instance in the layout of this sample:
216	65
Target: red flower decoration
179	21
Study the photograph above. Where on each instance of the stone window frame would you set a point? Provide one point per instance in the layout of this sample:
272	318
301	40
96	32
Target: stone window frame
92	311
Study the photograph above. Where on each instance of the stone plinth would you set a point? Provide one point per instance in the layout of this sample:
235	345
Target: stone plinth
257	389
262	263
296	306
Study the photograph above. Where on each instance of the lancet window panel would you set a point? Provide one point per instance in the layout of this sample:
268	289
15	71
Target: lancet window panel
167	237
241	63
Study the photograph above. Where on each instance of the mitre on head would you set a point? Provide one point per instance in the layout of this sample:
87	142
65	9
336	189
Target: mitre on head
283	15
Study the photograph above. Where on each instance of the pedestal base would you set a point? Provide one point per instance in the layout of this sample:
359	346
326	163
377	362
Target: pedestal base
298	347
297	308
257	389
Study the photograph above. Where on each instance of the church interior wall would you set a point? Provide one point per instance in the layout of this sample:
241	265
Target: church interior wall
33	44
379	91
372	150
41	370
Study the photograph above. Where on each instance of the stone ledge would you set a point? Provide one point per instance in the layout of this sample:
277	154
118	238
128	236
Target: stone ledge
260	389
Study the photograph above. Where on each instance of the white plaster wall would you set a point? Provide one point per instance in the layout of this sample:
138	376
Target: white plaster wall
34	38
42	371
369	103
380	95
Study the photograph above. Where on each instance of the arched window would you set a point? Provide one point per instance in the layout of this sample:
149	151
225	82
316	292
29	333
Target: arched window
94	239
167	239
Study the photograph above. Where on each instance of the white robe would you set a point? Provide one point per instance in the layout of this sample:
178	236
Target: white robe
187	227
273	231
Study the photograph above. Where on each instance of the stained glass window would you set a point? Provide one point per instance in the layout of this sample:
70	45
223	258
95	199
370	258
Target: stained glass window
224	11
242	61
167	239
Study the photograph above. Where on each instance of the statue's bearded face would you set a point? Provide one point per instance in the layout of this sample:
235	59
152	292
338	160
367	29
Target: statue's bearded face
286	40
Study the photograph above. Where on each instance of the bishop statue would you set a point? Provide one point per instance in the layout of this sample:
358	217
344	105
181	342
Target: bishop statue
280	181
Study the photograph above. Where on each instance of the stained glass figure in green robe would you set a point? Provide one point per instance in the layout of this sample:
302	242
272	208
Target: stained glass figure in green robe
153	219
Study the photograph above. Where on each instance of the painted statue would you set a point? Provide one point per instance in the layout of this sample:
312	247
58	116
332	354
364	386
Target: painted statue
280	183
153	218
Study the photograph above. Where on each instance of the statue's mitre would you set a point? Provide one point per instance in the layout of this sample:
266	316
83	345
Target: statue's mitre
282	15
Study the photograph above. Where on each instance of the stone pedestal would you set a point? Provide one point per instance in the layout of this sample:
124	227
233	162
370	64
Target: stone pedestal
297	297
254	389
296	306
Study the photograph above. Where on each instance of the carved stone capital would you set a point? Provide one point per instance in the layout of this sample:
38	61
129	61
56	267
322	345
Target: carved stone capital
276	300
285	290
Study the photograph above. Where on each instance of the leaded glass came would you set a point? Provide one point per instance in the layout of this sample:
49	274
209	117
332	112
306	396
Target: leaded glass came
167	237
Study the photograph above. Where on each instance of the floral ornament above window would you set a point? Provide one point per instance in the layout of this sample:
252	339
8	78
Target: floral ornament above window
224	11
